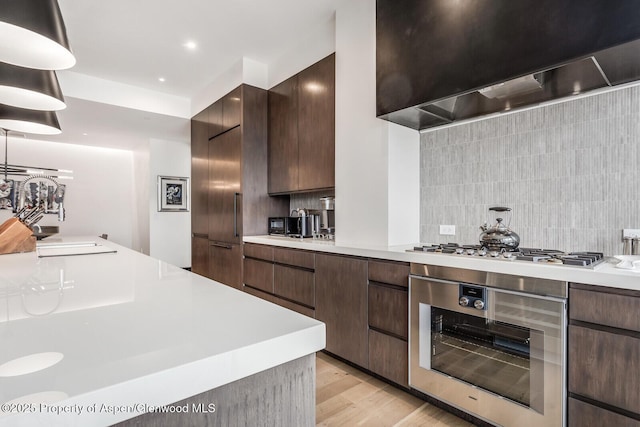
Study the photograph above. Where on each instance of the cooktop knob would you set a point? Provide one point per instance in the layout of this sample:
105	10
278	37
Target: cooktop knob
479	304
464	301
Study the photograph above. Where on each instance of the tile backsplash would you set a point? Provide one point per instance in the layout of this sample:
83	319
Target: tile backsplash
309	200
569	171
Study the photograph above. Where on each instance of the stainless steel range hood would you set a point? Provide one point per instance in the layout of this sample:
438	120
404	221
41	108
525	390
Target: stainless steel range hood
573	78
440	62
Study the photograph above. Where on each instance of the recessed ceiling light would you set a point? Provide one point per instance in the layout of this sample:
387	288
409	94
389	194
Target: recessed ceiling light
161	79
84	134
190	45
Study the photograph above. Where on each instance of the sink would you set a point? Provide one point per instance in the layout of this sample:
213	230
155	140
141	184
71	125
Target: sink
44	231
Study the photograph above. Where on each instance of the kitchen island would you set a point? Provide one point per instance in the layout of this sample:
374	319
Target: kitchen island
101	338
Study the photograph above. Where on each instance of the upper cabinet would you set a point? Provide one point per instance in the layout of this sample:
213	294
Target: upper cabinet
283	136
302	130
231	109
440	61
224	114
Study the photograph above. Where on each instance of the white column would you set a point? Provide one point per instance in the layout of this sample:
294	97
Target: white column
371	170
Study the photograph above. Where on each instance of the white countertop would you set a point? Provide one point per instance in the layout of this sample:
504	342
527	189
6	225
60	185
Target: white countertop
124	329
604	274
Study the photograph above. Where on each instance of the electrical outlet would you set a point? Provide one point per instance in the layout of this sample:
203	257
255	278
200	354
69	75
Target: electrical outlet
627	232
447	230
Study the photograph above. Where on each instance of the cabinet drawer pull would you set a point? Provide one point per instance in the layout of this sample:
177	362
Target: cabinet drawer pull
235	214
220	245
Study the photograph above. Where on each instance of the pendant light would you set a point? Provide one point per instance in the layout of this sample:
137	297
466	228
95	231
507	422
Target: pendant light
28	88
29	121
33	34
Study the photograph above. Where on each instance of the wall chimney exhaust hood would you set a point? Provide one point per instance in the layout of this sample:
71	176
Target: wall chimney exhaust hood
444	61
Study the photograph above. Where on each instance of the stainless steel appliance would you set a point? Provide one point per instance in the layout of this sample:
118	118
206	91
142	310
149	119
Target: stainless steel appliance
291	226
278	226
300	226
493	345
327	218
547	256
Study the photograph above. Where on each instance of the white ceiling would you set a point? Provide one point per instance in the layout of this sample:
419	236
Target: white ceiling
135	42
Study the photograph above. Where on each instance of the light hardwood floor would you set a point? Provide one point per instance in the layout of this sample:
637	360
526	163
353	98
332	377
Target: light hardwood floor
346	396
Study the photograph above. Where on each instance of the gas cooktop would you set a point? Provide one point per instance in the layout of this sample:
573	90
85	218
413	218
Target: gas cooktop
549	256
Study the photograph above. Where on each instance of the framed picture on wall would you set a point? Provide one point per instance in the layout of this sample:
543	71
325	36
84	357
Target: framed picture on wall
173	194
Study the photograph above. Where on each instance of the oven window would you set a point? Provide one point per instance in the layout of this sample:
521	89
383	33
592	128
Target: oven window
489	354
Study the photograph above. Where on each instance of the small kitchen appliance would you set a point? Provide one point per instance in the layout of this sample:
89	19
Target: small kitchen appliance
291	226
327	218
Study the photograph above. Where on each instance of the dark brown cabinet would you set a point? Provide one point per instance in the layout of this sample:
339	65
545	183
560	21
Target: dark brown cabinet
341	303
200	255
231	109
363	303
282	276
388	312
225	177
283	136
214	119
225	113
199	193
258	267
316	126
302	130
199	174
225	264
604	355
237	201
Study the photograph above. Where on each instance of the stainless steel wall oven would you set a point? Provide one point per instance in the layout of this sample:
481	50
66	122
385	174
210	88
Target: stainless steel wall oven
491	344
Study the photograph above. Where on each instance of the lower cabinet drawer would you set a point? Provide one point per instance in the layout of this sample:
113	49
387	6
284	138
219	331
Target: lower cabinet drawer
225	264
388	309
605	367
389	357
299	258
294	284
395	273
254	250
582	414
258	274
281	302
602	308
200	256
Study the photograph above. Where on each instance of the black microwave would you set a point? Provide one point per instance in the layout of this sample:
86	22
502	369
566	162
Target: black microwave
293	226
278	226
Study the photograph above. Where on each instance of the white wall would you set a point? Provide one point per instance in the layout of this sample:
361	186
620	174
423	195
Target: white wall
371	162
100	198
315	44
142	196
169	232
404	185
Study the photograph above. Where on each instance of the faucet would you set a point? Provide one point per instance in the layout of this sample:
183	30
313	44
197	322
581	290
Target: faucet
58	193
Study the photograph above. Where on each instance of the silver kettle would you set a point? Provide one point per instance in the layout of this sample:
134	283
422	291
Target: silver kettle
499	237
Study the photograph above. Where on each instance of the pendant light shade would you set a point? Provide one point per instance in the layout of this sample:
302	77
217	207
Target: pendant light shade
29	121
28	88
33	34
